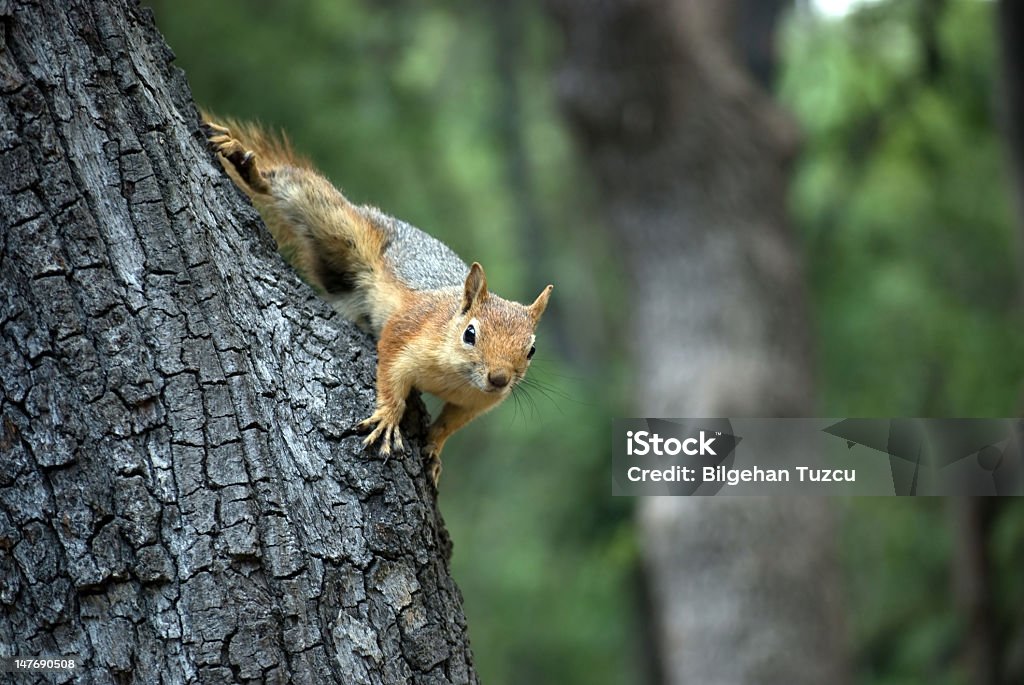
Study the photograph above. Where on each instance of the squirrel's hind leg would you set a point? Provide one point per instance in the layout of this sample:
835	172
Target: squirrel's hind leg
243	161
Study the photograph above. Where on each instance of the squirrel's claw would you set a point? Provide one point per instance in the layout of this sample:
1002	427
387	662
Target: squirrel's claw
389	435
362	428
218	137
222	142
211	128
434	468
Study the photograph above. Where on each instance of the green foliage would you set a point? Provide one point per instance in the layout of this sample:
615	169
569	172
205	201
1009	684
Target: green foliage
912	252
896	554
902	197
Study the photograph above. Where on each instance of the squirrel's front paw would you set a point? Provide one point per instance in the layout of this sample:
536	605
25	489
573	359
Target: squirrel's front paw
382	428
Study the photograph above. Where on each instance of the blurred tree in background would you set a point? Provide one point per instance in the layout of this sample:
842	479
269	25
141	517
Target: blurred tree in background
444	115
693	158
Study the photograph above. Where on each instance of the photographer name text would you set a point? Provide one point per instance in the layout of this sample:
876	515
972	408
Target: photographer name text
756	474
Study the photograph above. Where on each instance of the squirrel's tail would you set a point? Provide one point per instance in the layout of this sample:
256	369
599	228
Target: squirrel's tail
331	243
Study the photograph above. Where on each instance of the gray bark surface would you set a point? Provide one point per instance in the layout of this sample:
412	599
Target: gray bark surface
179	501
692	160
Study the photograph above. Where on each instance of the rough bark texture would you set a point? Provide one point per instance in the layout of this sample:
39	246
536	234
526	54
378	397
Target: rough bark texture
692	160
178	500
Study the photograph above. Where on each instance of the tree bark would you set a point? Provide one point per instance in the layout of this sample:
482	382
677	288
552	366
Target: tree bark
692	159
179	499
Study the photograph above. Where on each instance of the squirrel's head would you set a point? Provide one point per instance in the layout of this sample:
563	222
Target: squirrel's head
496	336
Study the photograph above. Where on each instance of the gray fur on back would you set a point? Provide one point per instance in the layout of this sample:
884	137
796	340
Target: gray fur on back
421	261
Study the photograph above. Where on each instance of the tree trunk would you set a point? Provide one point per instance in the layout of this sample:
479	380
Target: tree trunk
973	520
1010	28
1010	25
179	500
692	160
980	518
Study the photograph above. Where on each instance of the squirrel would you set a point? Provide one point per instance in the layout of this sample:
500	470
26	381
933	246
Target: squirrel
438	328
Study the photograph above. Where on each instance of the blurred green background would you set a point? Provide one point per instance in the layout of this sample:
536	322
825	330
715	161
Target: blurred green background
443	114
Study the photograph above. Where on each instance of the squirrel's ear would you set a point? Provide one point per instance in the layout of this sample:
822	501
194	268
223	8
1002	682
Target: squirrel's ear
476	287
540	304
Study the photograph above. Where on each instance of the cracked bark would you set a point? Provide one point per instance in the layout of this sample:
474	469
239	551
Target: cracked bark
178	502
692	158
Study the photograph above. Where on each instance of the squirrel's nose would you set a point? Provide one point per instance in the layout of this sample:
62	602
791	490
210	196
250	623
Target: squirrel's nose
498	379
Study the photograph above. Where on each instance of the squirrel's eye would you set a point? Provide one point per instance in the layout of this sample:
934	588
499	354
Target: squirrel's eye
533	348
469	337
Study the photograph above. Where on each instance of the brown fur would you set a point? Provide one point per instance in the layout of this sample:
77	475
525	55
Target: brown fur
314	225
421	332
